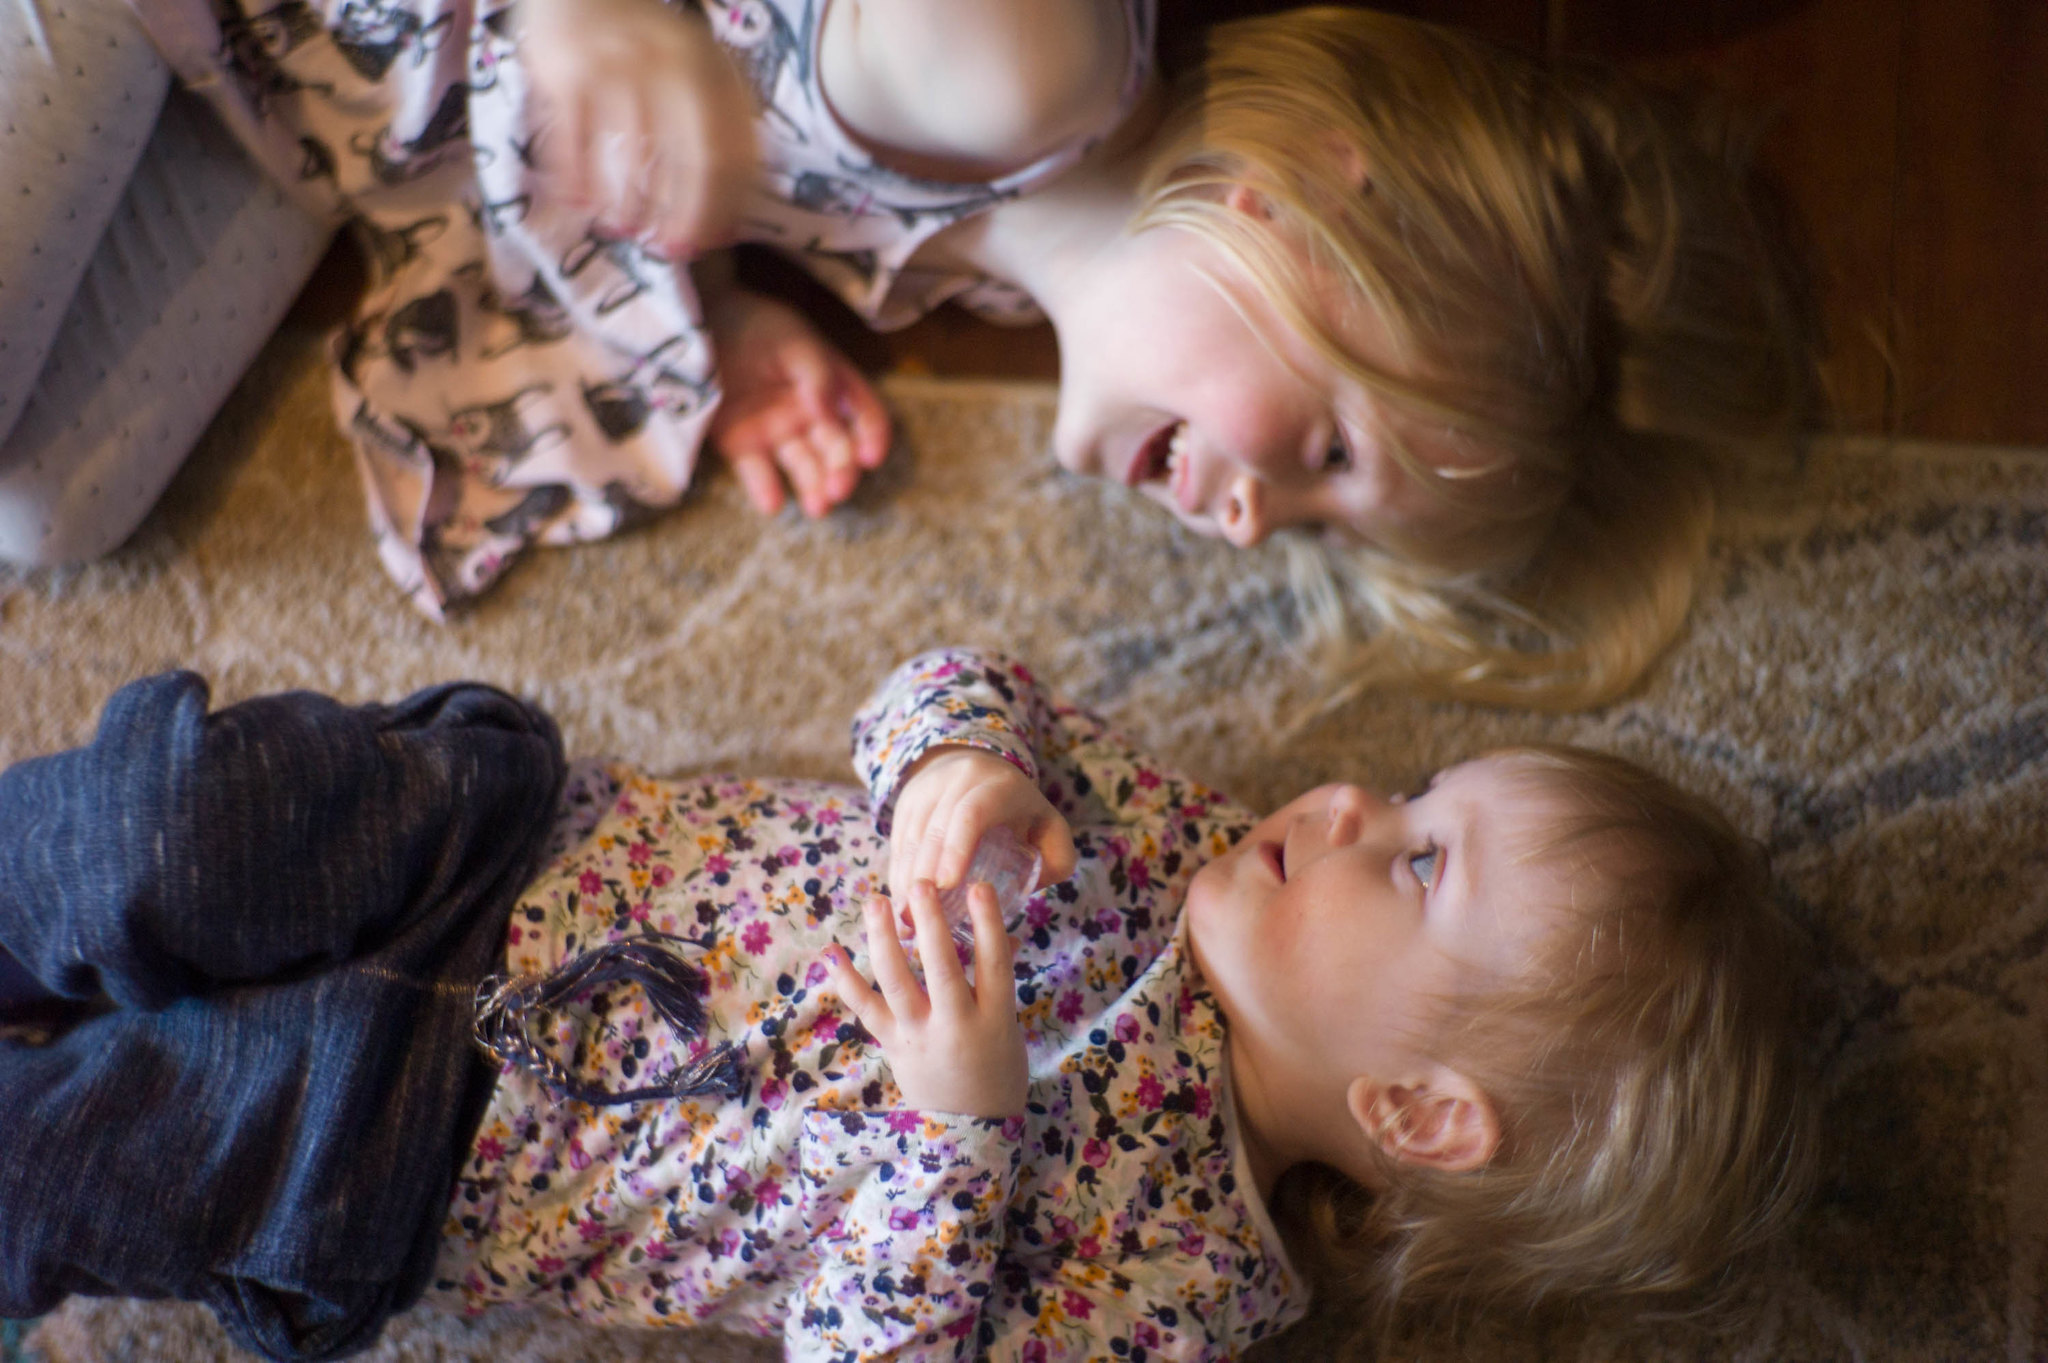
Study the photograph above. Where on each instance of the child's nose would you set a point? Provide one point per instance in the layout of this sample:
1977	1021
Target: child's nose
1351	808
1245	515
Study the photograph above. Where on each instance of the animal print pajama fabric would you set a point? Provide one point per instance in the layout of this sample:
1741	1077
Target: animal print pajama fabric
517	375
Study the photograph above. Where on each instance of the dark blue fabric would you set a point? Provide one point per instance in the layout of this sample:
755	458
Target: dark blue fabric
289	904
18	988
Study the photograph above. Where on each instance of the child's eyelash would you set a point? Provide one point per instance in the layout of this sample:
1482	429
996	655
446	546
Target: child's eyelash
1425	865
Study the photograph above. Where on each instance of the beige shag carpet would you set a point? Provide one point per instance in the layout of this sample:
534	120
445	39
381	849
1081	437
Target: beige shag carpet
1862	685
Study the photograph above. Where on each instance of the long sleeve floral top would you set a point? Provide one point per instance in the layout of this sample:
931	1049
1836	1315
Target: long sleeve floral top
1115	1218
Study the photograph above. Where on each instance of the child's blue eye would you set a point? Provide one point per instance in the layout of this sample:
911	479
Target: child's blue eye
1424	864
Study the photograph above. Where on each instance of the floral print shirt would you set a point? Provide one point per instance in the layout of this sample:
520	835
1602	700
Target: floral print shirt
1115	1217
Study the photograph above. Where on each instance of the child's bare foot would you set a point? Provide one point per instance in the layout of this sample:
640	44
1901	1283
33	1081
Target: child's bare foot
795	409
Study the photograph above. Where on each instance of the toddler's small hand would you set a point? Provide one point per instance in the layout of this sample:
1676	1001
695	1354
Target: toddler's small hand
794	407
952	796
953	1046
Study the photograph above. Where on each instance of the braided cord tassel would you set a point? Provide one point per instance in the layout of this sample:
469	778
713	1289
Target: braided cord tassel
505	1006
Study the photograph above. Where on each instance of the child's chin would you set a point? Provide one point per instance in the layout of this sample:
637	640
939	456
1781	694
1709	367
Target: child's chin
1208	901
1214	941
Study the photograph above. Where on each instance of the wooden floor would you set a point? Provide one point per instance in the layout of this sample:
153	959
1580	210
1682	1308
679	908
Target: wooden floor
1911	137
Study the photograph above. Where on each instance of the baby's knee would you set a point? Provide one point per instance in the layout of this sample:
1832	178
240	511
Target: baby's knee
32	538
46	522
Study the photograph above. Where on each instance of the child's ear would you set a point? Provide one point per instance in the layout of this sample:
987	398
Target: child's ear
1440	1120
1242	198
1344	156
1350	161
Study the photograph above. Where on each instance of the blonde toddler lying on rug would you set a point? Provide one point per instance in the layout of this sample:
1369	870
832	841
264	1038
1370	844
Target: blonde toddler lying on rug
1514	1039
1491	332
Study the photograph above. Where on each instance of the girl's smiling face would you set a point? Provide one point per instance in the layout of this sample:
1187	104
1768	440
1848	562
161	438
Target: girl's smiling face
1178	379
1341	924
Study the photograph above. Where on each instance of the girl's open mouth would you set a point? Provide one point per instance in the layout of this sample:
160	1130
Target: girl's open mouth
1154	457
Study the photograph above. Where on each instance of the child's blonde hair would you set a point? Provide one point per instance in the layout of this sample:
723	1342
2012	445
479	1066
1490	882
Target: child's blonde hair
1655	1129
1576	284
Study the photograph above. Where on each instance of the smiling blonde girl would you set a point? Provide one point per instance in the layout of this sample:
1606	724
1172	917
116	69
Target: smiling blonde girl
1555	322
1488	337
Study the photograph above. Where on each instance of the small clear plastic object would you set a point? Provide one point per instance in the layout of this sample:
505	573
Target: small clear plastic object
1008	865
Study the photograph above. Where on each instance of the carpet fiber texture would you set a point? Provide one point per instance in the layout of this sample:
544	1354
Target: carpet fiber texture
1862	686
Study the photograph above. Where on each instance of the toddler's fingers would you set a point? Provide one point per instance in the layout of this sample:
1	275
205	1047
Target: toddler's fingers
800	464
565	151
678	186
608	188
994	952
672	211
898	874
613	152
757	429
955	852
837	396
860	997
906	928
809	371
906	843
1056	855
835	451
758	479
639	143
944	979
903	875
892	968
857	404
925	858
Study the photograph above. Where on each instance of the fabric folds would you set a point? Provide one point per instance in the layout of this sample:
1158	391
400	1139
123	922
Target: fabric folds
281	913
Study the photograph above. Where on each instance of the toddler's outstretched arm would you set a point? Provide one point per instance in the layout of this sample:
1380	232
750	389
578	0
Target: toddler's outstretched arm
1091	776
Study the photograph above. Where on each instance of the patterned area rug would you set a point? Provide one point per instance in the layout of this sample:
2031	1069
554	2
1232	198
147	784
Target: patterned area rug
1862	686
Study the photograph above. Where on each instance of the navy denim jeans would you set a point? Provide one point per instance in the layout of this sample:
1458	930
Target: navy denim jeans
284	909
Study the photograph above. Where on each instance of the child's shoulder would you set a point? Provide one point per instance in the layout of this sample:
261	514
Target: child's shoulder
994	82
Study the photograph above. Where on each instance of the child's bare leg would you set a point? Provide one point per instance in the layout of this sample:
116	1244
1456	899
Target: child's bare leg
795	410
